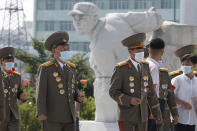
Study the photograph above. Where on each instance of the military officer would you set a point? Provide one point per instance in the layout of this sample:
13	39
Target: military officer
187	49
56	89
162	85
2	100
12	90
132	88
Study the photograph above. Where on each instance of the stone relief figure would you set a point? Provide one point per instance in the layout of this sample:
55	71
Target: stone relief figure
106	49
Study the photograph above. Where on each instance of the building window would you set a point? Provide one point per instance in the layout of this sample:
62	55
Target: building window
79	46
39	25
50	4
144	4
66	25
49	25
166	4
67	4
99	3
119	4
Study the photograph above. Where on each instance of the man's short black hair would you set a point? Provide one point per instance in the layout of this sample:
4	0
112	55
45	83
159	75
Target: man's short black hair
191	57
157	44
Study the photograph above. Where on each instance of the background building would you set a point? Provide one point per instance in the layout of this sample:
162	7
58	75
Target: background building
52	15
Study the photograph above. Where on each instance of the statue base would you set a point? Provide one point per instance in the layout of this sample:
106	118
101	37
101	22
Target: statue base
98	126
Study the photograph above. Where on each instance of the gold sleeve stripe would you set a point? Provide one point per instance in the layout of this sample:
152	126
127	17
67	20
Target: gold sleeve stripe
120	98
174	107
155	106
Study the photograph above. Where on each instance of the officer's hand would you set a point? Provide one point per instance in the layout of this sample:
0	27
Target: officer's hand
42	117
187	106
80	97
159	120
23	96
135	101
176	119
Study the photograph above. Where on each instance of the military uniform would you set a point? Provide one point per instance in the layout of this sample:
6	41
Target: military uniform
127	83
56	91
12	91
2	100
188	49
167	99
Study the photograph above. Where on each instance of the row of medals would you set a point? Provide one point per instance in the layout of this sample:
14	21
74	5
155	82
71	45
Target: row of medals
14	90
131	79
60	85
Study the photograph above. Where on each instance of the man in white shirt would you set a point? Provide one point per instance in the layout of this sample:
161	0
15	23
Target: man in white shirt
156	49
166	98
186	90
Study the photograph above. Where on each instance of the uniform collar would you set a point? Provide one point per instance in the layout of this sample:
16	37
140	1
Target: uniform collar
154	61
61	64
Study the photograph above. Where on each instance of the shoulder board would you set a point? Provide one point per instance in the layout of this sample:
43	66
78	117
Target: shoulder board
122	63
177	72
144	62
48	63
17	73
70	64
163	69
195	72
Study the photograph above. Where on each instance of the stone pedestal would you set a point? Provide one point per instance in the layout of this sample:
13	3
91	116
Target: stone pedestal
98	126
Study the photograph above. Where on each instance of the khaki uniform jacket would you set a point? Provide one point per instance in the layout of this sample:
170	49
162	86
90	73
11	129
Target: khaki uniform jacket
167	93
2	100
56	92
12	91
127	83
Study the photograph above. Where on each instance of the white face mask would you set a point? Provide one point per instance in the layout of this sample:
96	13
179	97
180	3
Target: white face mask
65	55
139	56
186	69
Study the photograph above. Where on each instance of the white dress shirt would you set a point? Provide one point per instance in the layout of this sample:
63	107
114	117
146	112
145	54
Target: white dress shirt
154	71
186	89
61	64
135	64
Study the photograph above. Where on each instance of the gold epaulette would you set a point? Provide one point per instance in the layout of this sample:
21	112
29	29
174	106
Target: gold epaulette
48	63
122	63
70	64
144	62
177	72
195	72
16	73
163	69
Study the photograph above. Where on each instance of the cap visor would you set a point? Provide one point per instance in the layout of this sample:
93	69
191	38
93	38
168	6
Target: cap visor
75	12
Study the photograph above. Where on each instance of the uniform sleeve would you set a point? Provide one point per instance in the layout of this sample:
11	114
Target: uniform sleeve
171	100
20	91
76	93
143	21
41	91
115	90
2	100
152	98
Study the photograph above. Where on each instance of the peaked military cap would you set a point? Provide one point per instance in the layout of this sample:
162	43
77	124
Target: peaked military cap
188	49
7	53
57	38
135	41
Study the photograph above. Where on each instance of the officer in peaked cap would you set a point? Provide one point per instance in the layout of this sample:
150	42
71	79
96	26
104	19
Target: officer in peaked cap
132	87
57	90
180	52
12	89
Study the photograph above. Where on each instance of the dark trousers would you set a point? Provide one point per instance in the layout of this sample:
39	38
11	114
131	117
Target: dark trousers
57	126
183	127
12	124
152	125
129	126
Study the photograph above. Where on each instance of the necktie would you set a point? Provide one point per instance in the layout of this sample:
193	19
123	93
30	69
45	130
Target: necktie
138	68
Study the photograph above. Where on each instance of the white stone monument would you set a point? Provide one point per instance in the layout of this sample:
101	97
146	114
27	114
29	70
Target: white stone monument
106	49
